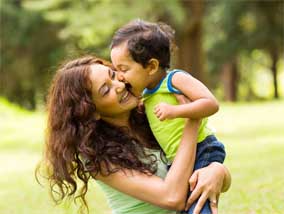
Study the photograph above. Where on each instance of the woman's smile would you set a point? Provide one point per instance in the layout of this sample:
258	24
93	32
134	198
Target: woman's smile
125	97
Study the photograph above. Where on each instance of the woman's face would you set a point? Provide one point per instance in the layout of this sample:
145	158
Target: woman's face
110	96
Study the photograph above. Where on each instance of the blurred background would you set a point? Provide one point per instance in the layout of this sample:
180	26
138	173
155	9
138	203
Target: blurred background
235	47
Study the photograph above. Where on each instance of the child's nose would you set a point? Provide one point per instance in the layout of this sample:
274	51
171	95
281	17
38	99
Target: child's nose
120	76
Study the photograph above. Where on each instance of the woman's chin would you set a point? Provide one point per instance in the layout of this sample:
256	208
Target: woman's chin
131	102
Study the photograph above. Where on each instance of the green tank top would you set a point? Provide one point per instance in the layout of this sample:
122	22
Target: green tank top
168	132
121	203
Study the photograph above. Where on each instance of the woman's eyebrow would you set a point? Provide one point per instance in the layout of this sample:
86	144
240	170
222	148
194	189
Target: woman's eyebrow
109	73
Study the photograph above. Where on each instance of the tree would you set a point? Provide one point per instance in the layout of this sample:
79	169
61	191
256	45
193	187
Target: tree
270	36
241	27
94	29
189	39
27	50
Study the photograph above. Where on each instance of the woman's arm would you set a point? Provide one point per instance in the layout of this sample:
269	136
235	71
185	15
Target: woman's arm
170	192
208	183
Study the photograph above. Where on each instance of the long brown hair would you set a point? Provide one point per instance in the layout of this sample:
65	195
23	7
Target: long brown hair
77	145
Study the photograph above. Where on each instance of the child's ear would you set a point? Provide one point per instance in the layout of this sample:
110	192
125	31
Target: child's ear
153	66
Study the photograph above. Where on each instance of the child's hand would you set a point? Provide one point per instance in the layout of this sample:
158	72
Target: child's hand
164	111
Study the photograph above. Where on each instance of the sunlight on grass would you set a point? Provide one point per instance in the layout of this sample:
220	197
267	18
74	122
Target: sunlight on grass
19	187
252	133
20	128
21	143
254	139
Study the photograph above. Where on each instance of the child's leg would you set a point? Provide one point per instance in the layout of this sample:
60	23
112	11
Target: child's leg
205	209
208	151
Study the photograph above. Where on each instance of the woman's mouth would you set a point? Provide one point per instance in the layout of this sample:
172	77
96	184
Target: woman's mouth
125	96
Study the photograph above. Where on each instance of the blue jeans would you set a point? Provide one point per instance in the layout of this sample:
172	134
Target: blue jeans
208	151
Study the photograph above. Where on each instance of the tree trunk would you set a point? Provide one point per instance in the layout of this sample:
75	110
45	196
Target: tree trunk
17	3
230	78
274	57
31	105
189	40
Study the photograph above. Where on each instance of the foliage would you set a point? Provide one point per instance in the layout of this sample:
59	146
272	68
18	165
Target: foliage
89	24
36	35
28	50
241	28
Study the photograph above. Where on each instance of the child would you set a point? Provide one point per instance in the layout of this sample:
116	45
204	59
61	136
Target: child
140	51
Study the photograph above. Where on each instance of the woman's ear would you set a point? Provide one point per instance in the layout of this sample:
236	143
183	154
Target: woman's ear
153	66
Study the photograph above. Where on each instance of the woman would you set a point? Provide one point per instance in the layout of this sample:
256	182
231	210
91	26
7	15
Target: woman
95	131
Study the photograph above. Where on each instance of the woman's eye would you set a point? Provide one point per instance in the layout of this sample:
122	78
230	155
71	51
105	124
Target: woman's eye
106	91
113	75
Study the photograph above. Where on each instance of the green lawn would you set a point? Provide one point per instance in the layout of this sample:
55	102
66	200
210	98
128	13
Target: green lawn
252	133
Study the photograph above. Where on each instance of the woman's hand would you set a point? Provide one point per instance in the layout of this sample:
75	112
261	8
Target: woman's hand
208	183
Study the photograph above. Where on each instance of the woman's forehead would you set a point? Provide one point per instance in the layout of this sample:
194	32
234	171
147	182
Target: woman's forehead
98	71
98	66
98	74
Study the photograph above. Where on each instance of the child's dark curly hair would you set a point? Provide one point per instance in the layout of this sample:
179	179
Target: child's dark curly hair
146	40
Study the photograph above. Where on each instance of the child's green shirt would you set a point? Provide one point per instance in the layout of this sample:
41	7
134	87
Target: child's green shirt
168	132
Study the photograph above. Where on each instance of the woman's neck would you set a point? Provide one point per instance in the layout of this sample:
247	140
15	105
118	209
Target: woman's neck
117	121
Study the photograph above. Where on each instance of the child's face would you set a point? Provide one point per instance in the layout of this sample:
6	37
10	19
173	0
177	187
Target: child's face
130	71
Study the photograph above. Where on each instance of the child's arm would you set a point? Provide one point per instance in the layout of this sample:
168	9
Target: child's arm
203	103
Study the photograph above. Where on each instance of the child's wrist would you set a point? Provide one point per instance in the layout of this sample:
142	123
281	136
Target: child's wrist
178	111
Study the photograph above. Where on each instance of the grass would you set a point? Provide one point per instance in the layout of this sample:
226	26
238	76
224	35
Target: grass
252	133
21	143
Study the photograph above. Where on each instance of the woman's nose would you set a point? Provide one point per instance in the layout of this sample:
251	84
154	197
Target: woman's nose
120	86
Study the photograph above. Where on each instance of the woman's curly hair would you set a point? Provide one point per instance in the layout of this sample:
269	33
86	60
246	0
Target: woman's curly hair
77	145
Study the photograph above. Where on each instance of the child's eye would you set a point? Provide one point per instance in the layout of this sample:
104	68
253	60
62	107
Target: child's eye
123	70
